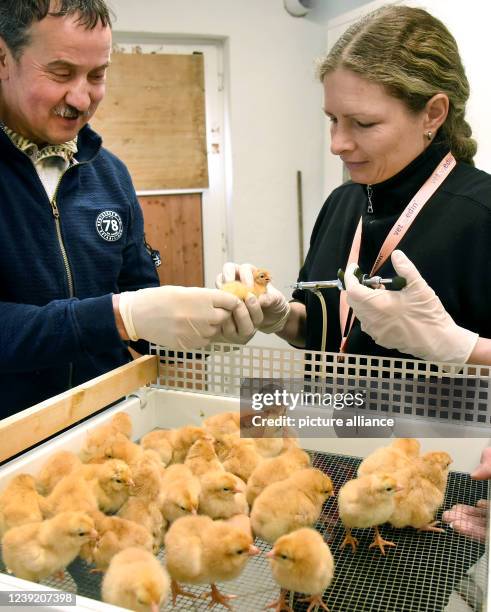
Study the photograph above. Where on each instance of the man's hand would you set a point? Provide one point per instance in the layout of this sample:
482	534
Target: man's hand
411	320
268	313
483	470
177	317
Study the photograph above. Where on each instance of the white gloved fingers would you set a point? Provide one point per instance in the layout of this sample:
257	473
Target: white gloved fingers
243	321
224	300
355	290
229	272
218	316
254	308
405	267
229	330
246	274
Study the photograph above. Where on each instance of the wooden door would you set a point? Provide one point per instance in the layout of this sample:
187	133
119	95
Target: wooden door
173	226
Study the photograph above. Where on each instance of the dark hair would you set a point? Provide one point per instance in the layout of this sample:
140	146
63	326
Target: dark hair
414	56
17	16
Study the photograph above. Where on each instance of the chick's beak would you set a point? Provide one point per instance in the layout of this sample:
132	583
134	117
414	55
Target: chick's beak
194	511
93	535
399	488
131	482
154	607
270	554
253	550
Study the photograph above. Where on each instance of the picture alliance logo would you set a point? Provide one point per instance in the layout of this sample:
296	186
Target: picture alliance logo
109	225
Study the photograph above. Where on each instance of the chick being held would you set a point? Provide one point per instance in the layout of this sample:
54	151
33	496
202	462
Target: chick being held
261	280
367	501
203	551
301	561
34	551
290	504
19	503
136	580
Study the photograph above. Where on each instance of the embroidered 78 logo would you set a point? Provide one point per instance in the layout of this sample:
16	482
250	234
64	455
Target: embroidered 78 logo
109	225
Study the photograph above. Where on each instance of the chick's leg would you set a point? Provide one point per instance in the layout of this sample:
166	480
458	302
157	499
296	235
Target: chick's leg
380	542
280	604
176	591
431	527
315	600
218	598
349	539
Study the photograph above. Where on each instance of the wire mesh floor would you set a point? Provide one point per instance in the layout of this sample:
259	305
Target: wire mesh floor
416	576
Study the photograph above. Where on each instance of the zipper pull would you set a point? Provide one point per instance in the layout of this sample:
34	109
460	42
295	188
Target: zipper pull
54	208
370	202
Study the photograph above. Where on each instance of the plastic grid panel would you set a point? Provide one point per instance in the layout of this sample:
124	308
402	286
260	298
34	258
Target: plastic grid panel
394	387
416	576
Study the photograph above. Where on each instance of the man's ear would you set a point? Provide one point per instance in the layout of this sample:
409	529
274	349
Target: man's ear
5	56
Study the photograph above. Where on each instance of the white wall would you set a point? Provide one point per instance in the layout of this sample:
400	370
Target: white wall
276	121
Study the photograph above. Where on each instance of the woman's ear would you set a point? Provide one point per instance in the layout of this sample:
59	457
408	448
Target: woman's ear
436	112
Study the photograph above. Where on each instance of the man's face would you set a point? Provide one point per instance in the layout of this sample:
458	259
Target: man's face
54	88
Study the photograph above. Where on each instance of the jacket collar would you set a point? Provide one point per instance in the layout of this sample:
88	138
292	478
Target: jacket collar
393	195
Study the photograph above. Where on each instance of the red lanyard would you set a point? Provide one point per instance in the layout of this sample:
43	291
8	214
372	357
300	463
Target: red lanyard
395	235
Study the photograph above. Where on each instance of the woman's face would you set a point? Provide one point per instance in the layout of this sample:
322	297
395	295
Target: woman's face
374	133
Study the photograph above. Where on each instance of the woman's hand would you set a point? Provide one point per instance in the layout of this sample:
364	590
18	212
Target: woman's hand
412	320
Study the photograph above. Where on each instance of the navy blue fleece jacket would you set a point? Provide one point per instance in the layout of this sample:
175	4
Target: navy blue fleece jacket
49	340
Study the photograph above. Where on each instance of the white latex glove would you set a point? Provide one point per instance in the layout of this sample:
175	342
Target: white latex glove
412	320
177	317
270	311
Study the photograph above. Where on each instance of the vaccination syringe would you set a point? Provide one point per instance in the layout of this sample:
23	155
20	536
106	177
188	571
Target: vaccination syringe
396	282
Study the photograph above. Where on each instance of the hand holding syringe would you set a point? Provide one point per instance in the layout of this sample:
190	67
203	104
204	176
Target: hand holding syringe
375	282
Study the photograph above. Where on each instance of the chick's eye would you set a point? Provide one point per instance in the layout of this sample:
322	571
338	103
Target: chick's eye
118	480
226	488
82	533
183	508
388	489
240	551
284	556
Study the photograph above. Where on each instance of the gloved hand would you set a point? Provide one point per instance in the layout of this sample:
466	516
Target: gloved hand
270	311
411	320
177	317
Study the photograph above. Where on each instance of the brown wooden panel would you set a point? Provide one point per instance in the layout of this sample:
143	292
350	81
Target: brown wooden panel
173	226
153	118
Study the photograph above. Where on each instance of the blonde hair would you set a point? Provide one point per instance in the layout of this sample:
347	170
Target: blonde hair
414	56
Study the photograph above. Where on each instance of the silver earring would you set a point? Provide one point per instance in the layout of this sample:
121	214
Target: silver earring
429	135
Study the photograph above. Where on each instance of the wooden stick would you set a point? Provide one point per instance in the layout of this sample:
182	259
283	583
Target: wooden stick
24	429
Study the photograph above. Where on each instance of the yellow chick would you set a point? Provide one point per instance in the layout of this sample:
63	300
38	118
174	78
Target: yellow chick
57	466
159	441
115	534
274	470
238	455
222	495
119	447
269	447
143	505
36	550
136	580
367	501
302	562
202	458
423	491
223	423
19	503
184	438
400	454
180	492
104	486
261	280
290	504
202	551
99	437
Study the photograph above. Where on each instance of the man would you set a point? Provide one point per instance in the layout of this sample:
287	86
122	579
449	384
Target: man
76	280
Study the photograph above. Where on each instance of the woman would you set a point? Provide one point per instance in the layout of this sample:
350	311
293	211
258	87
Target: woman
395	92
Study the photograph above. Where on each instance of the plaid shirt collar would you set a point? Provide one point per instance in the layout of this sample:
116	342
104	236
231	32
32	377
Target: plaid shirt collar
66	150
